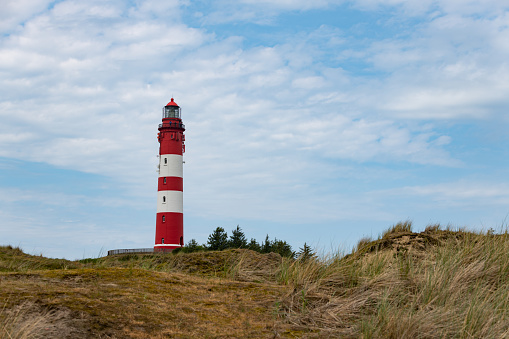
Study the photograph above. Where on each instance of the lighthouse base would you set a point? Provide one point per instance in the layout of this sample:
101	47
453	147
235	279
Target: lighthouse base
166	248
169	230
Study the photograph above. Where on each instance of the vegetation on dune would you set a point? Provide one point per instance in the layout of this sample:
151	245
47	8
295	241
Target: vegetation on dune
12	259
218	240
433	284
137	296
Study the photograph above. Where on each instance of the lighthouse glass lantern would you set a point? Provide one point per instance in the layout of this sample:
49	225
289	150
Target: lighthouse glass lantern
170	217
171	112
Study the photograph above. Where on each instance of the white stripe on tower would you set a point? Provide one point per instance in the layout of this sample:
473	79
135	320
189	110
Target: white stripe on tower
170	165
170	201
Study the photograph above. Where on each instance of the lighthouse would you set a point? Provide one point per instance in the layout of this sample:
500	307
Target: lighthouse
170	217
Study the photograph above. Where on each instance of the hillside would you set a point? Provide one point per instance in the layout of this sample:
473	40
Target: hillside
433	284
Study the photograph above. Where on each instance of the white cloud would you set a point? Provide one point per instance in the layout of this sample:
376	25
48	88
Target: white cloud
407	7
15	12
78	11
473	7
432	7
451	67
463	192
292	4
264	11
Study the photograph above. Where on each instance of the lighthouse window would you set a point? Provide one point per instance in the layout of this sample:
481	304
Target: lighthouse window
164	199
164	219
162	241
164	181
165	160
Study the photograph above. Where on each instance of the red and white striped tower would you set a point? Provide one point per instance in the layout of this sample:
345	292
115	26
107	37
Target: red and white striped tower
170	217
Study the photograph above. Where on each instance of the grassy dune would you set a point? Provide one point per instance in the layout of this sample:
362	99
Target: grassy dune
434	284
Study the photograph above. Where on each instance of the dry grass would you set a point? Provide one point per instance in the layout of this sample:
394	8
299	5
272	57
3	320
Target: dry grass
238	264
400	227
139	296
434	284
136	303
29	320
12	259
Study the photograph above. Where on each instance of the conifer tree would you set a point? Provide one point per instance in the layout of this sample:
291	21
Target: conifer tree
305	253
192	246
218	240
266	245
237	239
283	248
254	245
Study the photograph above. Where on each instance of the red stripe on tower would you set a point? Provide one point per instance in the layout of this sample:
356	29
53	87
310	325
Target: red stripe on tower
170	184
170	217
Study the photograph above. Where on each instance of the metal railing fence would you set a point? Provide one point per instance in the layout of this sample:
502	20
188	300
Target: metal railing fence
131	250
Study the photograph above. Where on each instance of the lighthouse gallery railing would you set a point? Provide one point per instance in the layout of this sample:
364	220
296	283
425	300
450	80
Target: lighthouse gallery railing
170	124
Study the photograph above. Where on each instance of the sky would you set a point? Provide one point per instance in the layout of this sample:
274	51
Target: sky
319	121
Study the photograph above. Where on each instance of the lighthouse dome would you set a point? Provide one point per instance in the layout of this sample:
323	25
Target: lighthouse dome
172	103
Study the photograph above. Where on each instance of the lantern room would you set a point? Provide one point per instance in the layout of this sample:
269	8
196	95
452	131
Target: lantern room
171	110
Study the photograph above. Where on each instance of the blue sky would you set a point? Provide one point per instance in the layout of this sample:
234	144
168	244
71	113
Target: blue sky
311	121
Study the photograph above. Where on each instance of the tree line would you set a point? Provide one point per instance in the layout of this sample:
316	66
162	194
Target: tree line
219	240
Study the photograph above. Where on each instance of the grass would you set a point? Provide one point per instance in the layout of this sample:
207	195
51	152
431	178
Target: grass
16	324
12	259
405	285
400	227
439	283
138	296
